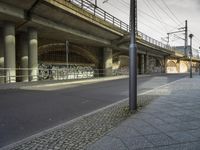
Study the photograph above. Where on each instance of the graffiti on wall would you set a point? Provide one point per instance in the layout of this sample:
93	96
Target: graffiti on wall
154	65
62	72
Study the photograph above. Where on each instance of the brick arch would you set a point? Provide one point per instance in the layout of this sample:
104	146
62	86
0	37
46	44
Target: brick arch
172	67
72	49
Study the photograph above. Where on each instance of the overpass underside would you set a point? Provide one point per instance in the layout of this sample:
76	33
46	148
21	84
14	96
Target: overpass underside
34	34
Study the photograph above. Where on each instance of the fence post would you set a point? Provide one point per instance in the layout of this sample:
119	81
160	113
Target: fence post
104	16
9	76
81	3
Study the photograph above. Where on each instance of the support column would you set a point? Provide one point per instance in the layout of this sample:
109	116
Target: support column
107	61
33	54
1	57
142	64
165	64
23	56
147	64
178	66
9	53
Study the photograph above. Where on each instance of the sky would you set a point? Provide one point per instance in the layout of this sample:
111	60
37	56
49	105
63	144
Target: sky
156	18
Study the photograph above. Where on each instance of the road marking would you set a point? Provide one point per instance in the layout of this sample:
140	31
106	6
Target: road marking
83	82
87	81
78	118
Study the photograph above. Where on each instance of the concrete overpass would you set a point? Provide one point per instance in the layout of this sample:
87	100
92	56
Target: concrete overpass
31	29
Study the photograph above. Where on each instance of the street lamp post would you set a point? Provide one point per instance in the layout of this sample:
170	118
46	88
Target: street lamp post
191	36
133	58
199	57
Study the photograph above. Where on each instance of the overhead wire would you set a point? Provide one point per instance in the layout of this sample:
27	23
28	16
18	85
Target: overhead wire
126	4
154	12
167	11
170	10
163	10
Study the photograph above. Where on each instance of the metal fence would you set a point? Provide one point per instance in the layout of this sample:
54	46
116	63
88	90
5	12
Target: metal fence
102	14
9	75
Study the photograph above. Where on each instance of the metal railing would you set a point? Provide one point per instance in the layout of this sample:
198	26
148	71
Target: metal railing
9	75
153	41
98	12
102	14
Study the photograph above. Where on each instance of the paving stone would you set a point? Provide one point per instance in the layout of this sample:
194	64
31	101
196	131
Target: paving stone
169	119
124	132
160	139
188	125
137	143
167	127
187	118
185	146
108	143
195	133
135	123
147	130
182	136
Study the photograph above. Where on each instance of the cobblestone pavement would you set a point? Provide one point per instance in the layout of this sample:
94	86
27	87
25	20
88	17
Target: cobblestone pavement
170	122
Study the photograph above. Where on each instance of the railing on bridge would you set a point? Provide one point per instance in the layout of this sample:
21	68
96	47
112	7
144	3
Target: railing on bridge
153	41
98	12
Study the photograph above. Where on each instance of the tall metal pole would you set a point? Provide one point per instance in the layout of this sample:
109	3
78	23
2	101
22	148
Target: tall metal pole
133	58
186	37
199	63
199	68
168	39
191	36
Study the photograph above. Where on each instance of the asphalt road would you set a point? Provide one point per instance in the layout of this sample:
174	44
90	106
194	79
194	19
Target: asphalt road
27	112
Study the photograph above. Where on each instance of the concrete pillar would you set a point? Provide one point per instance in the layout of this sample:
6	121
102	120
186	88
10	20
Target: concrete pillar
147	64
32	54
142	64
1	57
9	52
178	66
22	49
165	64
107	55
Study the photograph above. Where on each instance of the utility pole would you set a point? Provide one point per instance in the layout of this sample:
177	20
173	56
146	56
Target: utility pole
186	37
191	36
133	58
168	39
185	30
